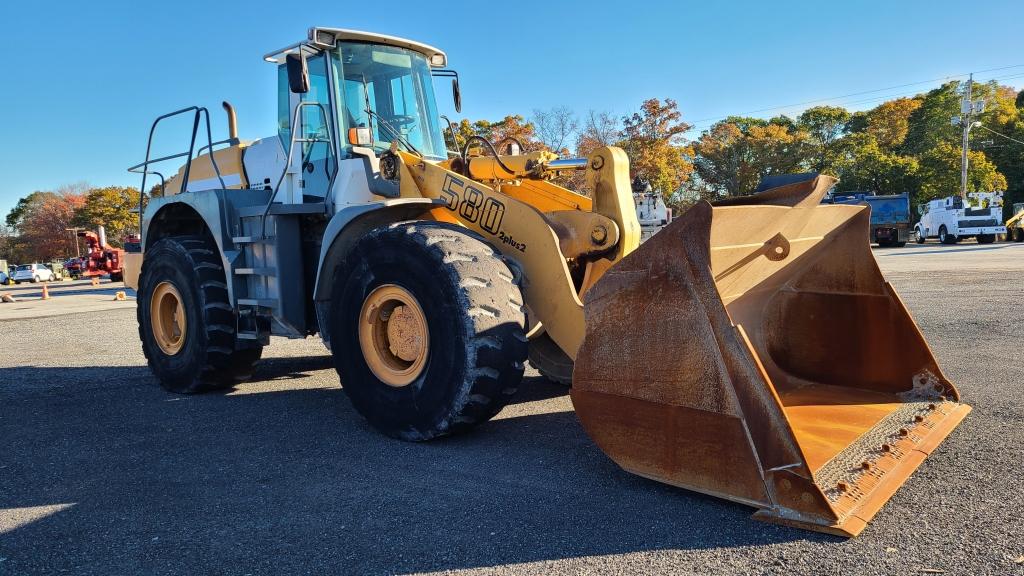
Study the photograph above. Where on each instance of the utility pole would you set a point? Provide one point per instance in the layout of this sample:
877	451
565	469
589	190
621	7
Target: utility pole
968	108
75	231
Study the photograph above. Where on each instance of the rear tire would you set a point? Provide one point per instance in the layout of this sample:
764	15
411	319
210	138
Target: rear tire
1018	235
945	237
473	331
206	358
986	238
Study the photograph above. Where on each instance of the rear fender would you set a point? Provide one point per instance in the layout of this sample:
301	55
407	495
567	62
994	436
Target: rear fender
204	213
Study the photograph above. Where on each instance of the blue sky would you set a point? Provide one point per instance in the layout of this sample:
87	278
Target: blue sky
84	80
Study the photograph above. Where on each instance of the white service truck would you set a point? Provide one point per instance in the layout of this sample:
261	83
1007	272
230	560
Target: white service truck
954	218
651	210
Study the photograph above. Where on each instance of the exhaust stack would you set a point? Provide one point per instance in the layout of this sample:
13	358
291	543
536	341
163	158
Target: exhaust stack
232	120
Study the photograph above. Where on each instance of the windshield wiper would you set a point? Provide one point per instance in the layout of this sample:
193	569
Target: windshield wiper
380	121
394	132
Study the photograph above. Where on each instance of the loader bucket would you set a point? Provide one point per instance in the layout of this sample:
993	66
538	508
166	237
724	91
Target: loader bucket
752	350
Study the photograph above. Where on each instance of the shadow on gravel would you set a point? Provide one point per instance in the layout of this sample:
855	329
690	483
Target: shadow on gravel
295	480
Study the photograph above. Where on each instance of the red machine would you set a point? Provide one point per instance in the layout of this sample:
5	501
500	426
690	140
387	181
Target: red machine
101	258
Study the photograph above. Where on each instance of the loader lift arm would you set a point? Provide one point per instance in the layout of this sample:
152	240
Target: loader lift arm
536	241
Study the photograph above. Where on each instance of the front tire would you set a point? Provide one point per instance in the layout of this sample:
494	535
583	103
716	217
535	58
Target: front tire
550	360
1018	235
919	236
186	322
457	356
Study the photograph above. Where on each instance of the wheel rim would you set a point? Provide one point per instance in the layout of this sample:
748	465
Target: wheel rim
393	335
167	316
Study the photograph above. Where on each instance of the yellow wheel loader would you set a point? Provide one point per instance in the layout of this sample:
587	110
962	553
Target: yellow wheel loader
1015	225
751	349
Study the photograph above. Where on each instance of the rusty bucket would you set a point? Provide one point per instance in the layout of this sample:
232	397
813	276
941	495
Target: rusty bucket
753	351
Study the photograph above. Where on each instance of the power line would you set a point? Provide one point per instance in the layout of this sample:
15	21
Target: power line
983	127
706	122
835	97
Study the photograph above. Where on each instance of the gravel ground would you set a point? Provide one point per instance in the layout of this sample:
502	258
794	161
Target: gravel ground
101	472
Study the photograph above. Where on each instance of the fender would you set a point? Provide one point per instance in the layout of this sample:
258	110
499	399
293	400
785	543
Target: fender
203	212
346	227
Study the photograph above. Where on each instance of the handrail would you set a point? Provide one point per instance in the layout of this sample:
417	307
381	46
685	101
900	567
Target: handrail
297	122
198	111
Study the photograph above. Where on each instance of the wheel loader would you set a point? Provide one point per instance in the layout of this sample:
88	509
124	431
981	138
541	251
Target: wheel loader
750	350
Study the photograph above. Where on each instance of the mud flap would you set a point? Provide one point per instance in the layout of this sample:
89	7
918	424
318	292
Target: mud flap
753	351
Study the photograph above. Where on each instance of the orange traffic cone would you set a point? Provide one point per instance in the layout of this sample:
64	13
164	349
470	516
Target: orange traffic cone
46	292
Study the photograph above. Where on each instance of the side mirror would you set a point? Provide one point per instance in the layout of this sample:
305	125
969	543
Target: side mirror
457	94
298	73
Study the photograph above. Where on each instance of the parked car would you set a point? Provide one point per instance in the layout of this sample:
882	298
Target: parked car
4	278
73	267
32	273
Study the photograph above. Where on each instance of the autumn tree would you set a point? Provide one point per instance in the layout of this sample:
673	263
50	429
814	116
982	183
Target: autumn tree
17	214
824	126
929	124
862	164
1007	153
889	122
43	221
653	140
736	153
500	133
940	170
110	207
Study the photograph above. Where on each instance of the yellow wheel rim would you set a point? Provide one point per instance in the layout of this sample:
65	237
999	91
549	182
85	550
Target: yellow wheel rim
393	335
167	316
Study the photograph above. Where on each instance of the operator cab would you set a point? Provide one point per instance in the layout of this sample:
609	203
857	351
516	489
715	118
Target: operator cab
362	93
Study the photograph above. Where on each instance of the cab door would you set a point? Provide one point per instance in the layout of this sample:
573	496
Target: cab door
314	157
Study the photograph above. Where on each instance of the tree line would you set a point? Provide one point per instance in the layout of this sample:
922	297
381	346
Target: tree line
37	228
902	145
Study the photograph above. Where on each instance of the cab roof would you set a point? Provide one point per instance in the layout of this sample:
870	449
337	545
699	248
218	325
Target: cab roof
326	38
